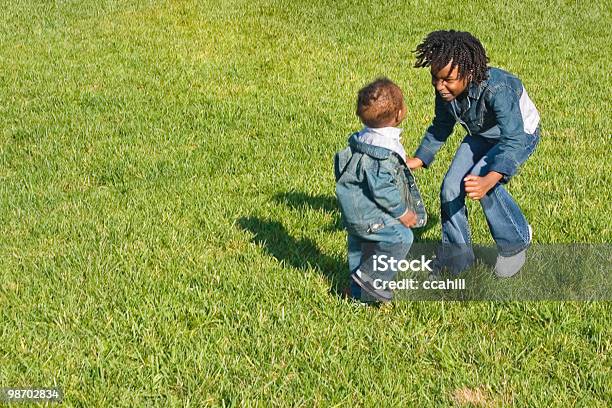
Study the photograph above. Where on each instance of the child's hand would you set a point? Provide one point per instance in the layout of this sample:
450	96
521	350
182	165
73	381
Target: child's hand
409	219
414	163
476	187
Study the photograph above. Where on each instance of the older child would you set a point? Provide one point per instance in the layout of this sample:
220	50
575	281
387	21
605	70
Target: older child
503	130
376	192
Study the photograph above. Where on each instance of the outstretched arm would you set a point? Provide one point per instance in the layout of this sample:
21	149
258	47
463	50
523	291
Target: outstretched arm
435	136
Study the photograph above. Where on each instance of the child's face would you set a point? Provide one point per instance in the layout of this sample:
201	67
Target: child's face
447	82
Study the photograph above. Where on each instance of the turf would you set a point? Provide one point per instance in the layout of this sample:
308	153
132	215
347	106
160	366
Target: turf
168	230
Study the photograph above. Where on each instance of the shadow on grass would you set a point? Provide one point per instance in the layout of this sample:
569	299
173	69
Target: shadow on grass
298	200
301	201
299	253
327	203
303	253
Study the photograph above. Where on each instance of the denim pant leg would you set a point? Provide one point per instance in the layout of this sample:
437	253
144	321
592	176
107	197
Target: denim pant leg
358	250
354	260
456	250
506	221
393	241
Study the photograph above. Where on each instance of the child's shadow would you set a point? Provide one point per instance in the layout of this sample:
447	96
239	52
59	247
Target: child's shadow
299	201
299	253
304	253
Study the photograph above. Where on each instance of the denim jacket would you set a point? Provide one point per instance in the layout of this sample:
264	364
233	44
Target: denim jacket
497	108
374	188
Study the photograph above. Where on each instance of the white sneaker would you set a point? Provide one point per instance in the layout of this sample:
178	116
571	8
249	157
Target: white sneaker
508	266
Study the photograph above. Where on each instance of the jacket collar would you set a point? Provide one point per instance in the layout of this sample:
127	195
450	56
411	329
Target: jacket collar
374	151
474	91
389	132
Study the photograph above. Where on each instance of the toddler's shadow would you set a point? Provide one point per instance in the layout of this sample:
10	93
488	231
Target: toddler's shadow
327	203
303	253
299	253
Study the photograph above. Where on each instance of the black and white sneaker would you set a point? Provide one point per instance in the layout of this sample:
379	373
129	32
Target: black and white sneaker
366	283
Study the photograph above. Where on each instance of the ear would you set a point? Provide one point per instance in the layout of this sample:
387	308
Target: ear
399	114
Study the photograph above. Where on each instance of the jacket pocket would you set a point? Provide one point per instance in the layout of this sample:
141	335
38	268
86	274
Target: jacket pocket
368	227
374	227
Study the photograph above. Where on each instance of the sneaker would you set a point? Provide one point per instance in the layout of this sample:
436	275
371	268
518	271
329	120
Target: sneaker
366	283
508	266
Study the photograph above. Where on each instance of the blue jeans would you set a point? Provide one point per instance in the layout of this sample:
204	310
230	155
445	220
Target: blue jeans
506	222
393	240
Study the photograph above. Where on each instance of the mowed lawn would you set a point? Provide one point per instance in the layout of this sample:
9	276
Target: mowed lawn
168	228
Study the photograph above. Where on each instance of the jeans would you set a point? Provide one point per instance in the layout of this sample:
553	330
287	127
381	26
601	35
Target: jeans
506	222
392	240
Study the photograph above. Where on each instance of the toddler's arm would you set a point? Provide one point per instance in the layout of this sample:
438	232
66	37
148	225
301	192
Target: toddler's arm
384	191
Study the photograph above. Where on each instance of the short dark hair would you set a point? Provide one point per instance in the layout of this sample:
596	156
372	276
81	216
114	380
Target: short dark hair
378	103
462	48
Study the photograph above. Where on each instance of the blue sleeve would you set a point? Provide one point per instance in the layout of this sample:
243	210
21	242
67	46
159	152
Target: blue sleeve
436	134
384	191
504	102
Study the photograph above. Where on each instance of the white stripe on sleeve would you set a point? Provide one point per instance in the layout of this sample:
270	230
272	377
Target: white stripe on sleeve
531	117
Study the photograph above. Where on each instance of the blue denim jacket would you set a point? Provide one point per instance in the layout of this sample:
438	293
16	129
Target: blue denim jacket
497	108
374	188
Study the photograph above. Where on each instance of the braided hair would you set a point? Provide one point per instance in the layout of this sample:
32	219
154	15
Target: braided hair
460	48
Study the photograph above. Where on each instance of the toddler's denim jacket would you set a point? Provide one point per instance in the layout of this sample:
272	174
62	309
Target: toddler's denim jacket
374	188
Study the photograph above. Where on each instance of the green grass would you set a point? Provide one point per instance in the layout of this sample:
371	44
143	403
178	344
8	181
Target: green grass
168	231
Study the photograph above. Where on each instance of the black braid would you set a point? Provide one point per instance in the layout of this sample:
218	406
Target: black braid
462	48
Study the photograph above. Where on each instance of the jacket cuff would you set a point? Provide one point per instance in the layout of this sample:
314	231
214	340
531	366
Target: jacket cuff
426	155
398	211
505	166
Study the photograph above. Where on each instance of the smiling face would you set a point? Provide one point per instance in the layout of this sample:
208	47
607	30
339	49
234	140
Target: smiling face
447	82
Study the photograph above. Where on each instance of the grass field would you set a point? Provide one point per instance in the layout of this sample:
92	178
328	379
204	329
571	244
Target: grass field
168	230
